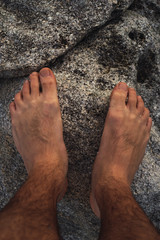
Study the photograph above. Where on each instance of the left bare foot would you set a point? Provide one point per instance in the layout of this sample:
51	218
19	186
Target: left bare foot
125	136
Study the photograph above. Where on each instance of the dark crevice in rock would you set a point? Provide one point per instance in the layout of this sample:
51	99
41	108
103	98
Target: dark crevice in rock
117	54
115	17
136	36
58	62
145	67
136	5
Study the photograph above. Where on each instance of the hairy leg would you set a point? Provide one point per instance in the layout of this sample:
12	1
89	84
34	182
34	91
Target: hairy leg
125	136
38	135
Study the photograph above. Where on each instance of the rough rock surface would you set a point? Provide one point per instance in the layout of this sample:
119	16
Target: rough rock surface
150	9
35	32
126	49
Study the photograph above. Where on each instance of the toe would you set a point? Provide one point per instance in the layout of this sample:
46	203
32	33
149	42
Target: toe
149	124
34	82
18	99
146	115
26	90
48	83
140	105
12	108
119	95
132	99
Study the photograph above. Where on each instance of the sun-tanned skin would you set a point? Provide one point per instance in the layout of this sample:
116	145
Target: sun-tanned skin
38	135
125	136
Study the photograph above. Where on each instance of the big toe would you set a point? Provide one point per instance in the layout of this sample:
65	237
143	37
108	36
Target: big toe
48	83
119	95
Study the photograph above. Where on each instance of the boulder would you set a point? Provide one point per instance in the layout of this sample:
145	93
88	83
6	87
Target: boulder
32	33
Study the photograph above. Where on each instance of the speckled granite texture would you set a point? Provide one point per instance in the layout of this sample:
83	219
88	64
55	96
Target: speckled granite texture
33	32
124	49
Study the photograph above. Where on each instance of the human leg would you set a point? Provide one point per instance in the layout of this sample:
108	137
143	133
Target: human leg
38	135
125	136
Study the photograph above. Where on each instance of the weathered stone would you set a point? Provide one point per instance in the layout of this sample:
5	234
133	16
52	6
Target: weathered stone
116	53
127	51
32	33
150	9
124	50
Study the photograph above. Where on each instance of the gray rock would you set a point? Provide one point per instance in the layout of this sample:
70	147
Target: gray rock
126	49
32	33
150	9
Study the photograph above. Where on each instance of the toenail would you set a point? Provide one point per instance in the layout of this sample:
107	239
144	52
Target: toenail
45	73
123	86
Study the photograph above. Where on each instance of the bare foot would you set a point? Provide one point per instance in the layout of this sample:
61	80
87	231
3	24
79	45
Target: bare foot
125	136
37	126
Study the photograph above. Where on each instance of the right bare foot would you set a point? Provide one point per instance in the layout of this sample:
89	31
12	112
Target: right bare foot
125	136
37	128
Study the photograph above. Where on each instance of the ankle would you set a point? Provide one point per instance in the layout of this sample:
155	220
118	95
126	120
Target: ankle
49	172
45	186
111	188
